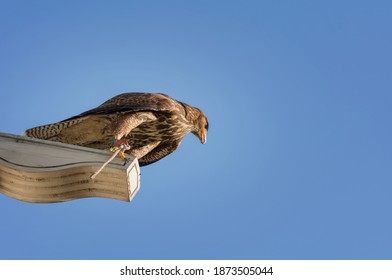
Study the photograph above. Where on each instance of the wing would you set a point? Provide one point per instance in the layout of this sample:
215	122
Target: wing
134	102
122	103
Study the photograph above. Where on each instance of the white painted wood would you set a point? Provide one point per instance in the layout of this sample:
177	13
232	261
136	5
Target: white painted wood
41	171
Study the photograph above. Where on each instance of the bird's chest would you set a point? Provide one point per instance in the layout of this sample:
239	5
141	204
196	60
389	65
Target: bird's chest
158	130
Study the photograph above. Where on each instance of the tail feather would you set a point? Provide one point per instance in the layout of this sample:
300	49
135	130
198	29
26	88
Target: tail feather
49	131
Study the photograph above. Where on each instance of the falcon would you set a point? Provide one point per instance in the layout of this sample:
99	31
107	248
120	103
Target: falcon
152	125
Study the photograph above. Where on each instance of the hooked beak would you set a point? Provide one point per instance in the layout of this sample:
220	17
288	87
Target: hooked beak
203	137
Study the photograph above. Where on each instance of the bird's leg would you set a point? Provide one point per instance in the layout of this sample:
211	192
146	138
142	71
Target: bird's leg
123	125
119	144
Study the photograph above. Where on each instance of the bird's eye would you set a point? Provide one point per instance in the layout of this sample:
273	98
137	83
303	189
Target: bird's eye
206	126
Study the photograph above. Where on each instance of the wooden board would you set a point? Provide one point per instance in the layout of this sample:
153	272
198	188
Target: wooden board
43	171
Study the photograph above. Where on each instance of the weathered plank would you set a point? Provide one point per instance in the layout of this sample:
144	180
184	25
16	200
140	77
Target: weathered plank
42	171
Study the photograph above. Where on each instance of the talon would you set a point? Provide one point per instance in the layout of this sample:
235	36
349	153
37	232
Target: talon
121	154
115	145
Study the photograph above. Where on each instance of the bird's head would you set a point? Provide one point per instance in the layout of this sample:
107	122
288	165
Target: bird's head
200	126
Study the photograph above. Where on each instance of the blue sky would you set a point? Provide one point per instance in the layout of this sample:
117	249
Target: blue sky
298	163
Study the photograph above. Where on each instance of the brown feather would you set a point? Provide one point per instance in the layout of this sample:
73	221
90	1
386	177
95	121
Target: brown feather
153	124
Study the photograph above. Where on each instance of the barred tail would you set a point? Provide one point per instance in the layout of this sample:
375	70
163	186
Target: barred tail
49	131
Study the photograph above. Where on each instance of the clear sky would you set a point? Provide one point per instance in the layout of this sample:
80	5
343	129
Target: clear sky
298	163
